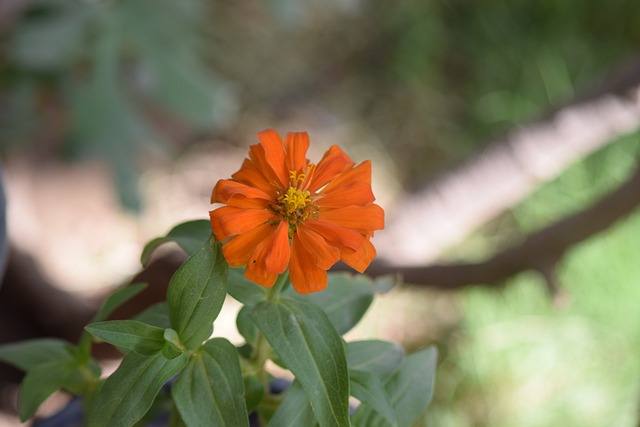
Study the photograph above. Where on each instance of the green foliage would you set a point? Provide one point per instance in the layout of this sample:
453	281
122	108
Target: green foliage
303	337
217	382
129	392
294	410
196	294
211	387
129	334
107	62
345	300
190	236
410	389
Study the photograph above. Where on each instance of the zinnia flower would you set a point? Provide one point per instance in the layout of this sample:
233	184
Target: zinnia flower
282	211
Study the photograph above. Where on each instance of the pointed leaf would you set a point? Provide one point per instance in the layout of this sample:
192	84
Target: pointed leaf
190	236
243	290
196	294
246	327
129	334
210	387
41	382
155	315
294	410
410	389
375	356
116	299
345	300
368	389
129	392
305	340
29	354
108	306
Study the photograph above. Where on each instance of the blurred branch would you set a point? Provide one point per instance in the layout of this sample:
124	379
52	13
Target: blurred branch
540	251
445	211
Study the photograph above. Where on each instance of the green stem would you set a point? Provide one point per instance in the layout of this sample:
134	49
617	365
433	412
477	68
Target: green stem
262	351
282	279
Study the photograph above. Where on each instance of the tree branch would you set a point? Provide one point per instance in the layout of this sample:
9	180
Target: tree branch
540	251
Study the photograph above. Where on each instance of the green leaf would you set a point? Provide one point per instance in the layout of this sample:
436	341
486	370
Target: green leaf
345	300
410	389
253	392
368	389
243	290
155	315
129	334
129	392
303	337
210	387
116	299
108	306
190	236
246	327
294	410
196	294
29	354
41	382
375	356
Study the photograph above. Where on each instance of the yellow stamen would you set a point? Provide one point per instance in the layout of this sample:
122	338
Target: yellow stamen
295	199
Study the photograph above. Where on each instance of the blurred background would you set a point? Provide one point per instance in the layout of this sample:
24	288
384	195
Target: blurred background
117	118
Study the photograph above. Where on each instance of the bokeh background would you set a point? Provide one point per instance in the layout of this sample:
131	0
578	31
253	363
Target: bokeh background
117	117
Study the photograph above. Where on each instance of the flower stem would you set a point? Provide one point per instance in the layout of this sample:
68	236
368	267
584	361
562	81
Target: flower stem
281	281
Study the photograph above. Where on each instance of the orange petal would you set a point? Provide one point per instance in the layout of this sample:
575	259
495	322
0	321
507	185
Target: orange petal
230	221
354	194
238	250
251	175
279	250
358	259
361	173
333	162
297	144
274	154
357	217
256	268
306	276
336	234
226	189
323	254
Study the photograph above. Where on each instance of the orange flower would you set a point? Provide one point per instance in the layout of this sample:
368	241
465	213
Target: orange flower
282	211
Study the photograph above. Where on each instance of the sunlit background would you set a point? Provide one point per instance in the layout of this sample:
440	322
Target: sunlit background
117	117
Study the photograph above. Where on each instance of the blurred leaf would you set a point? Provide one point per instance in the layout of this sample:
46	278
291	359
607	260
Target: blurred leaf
41	382
190	236
155	315
116	299
378	357
243	290
304	339
129	392
210	387
29	354
51	37
246	327
368	389
345	300
196	294
129	334
410	389
253	392
294	409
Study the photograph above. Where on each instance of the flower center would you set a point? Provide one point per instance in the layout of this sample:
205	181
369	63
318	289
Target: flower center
296	204
294	200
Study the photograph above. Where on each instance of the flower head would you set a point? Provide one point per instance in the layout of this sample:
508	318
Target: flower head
283	211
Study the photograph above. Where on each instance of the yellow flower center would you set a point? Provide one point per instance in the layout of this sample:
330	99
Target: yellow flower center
294	200
296	204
